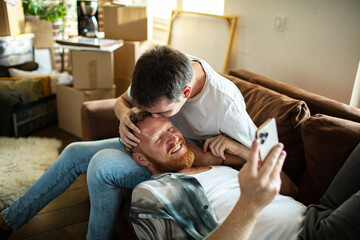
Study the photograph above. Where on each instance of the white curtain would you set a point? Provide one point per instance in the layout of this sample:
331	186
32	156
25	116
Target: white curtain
355	96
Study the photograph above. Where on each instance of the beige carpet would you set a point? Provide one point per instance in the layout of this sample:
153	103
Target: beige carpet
22	162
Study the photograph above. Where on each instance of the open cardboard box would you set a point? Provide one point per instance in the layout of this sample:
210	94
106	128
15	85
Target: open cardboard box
69	102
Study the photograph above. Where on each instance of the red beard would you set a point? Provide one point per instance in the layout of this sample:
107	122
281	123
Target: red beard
174	164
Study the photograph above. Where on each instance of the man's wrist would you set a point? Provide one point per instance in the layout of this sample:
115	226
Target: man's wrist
250	209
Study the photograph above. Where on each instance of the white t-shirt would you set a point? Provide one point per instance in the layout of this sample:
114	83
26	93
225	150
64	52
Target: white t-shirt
218	109
281	219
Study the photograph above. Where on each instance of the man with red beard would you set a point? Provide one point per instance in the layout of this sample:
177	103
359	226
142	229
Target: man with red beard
185	202
181	201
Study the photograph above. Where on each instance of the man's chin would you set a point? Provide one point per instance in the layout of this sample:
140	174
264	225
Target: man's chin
186	160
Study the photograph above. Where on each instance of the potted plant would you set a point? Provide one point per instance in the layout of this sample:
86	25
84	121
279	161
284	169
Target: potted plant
47	10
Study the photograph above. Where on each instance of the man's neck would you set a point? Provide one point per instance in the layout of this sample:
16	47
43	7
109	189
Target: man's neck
198	79
194	170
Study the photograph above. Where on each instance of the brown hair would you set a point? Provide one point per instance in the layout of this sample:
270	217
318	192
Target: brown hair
139	116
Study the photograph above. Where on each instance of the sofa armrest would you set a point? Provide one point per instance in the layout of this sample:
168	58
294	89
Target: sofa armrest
98	120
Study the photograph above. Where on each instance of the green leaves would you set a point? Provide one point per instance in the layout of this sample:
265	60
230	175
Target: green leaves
47	10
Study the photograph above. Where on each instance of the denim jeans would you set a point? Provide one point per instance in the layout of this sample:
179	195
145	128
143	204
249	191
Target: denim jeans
108	168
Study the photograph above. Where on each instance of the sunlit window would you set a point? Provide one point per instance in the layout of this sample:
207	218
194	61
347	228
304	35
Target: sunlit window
204	6
162	8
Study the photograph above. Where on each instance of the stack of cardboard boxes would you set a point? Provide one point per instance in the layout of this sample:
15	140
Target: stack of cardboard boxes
104	74
93	79
130	23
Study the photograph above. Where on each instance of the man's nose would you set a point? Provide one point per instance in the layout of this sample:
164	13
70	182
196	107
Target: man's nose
171	137
156	115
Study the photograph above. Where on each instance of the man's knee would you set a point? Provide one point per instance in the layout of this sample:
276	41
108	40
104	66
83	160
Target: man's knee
104	165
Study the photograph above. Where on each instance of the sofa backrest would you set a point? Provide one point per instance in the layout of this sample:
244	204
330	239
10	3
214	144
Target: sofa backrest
317	144
262	104
328	142
315	102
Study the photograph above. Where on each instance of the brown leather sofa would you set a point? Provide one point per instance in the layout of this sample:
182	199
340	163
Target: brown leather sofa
318	133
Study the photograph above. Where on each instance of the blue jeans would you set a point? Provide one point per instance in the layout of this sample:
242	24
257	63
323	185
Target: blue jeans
108	168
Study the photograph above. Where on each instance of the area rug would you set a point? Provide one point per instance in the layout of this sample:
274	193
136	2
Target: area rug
22	162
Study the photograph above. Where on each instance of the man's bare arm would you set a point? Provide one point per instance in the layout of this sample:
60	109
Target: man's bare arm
208	158
236	154
221	144
123	104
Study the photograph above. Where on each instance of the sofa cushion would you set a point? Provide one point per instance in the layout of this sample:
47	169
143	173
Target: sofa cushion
263	103
328	141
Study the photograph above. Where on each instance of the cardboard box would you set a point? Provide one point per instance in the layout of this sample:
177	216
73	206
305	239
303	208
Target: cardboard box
122	84
92	69
11	19
42	30
129	23
125	57
69	102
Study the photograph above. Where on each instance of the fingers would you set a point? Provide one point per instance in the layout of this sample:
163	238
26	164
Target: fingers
253	157
206	144
279	165
273	162
217	146
260	185
132	126
127	137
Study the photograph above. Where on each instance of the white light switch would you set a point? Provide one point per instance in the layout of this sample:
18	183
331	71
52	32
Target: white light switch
279	23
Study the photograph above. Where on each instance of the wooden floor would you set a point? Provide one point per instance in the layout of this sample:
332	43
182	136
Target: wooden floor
66	217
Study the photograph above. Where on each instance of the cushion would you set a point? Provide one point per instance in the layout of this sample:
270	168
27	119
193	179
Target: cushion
45	83
32	88
55	77
25	74
262	104
328	141
28	66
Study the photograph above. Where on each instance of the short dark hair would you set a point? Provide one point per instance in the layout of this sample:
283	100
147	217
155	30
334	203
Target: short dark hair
160	72
139	116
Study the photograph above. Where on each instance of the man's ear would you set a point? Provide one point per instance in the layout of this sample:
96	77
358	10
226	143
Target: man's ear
187	91
140	159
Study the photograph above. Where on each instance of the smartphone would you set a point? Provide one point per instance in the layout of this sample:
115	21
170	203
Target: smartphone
268	137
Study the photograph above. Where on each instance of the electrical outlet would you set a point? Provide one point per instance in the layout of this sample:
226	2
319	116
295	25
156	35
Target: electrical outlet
279	23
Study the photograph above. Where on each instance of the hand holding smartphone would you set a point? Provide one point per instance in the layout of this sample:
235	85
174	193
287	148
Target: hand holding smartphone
268	137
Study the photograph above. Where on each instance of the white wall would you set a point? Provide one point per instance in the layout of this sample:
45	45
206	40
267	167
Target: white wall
319	49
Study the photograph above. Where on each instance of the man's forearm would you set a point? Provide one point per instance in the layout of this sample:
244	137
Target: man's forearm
208	158
238	225
122	104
